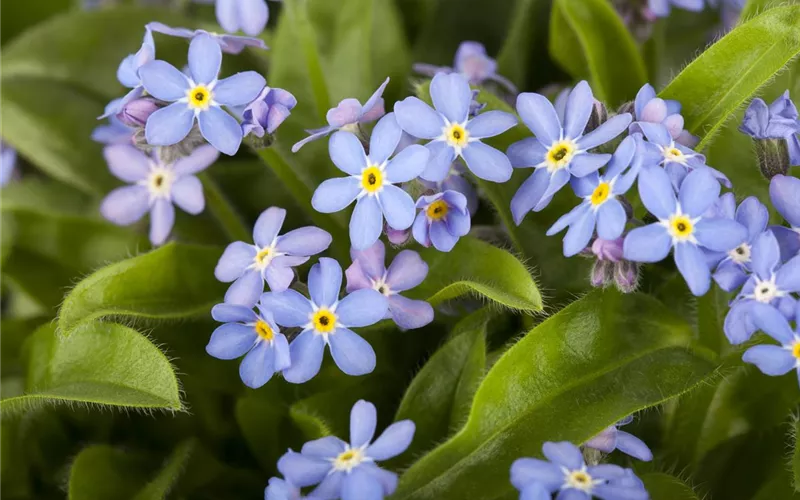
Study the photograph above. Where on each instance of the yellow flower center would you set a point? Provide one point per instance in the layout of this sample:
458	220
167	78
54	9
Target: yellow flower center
437	210
600	194
674	154
796	350
199	97
263	330
580	480
681	227
324	321
372	179
457	135
348	459
160	182
560	154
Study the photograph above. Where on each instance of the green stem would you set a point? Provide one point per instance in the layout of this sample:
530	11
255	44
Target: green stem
221	208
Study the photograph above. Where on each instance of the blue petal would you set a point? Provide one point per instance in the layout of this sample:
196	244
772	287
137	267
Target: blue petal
308	240
787	278
384	139
692	265
650	243
784	193
772	322
200	159
421	230
326	447
387	479
371	260
451	96
347	153
315	134
730	275
325	282
587	163
490	124
126	162
439	162
246	289
557	181
162	218
169	125
231	341
579	234
406	271
573	494
362	308
235	259
228	15
568	218
720	235
753	215
458	224
409	314
408	164
187	193
739	326
788	241
258	366
125	205
770	359
486	162
563	453
366	223
330	487
441	238
765	255
656	133
622	158
164	81
373	108
525	471
397	206
335	194
279	275
611	219
578	110
220	129
605	132
363	419
529	194
633	446
645	94
306	353
540	117
232	313
698	192
239	89
655	190
606	441
528	152
351	353
418	119
289	308
253	16
534	491
361	485
205	59
268	225
393	441
303	471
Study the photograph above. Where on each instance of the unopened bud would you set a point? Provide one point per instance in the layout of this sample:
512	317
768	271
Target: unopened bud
773	157
257	142
398	237
626	276
608	250
602	273
136	112
598	117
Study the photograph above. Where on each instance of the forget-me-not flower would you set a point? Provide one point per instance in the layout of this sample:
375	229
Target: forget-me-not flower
371	181
250	16
771	283
778	121
271	258
406	271
443	219
349	470
452	133
155	186
230	44
266	113
614	439
115	132
347	116
776	360
600	208
281	489
652	109
662	8
254	336
473	63
734	266
784	192
559	149
677	159
129	74
8	162
326	320
566	472
455	181
682	225
198	97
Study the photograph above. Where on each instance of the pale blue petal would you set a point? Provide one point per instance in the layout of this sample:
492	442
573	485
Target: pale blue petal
788	276
246	289
557	181
352	354
622	158
765	255
325	282
408	313
169	125
326	447
200	159
540	117
525	471
239	89
458	224
568	218
421	230
231	341
698	192
164	81
308	240
374	107
393	441
563	453
771	321
587	163
363	419
783	191
439	161
730	275
633	446
406	271
655	190
347	153
258	365
408	164
205	58
578	110
692	265
228	15
306	353
235	259
611	219
253	16
366	223
361	485
278	275
384	139
220	129
397	207
579	234
441	238
371	260
268	225
656	133
770	359
315	134
752	214
162	218
289	308
303	471
490	124
232	313
529	194
451	96
330	488
528	152
605	132
335	194
126	205
418	119
645	94
126	162
650	243
486	162
362	308
720	235
534	491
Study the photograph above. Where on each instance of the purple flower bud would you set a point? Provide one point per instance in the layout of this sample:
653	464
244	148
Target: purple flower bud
267	111
602	273
626	276
398	237
608	250
136	112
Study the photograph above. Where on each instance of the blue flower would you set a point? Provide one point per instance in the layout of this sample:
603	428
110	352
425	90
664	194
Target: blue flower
347	115
661	8
614	439
256	335
775	360
129	74
115	132
770	283
8	162
784	192
566	472
271	258
600	207
677	159
455	181
560	150
230	44
734	266
778	121
250	16
452	133
349	470
155	186
407	271
281	489
326	320
472	63
442	220
682	225
652	109
266	113
198	97
371	182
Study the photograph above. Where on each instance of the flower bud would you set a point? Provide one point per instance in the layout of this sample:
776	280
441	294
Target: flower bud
608	250
602	273
626	276
773	157
136	112
266	113
598	117
398	237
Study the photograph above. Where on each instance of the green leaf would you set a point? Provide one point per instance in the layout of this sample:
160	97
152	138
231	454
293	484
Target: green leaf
755	7
525	40
262	424
662	486
15	18
588	38
173	282
713	86
463	270
102	472
100	363
440	395
40	279
164	482
567	379
796	455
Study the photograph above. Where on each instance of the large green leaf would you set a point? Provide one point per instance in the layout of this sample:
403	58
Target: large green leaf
526	39
474	266
15	18
161	485
662	486
603	357
263	423
101	472
100	363
440	395
173	282
588	38
723	77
